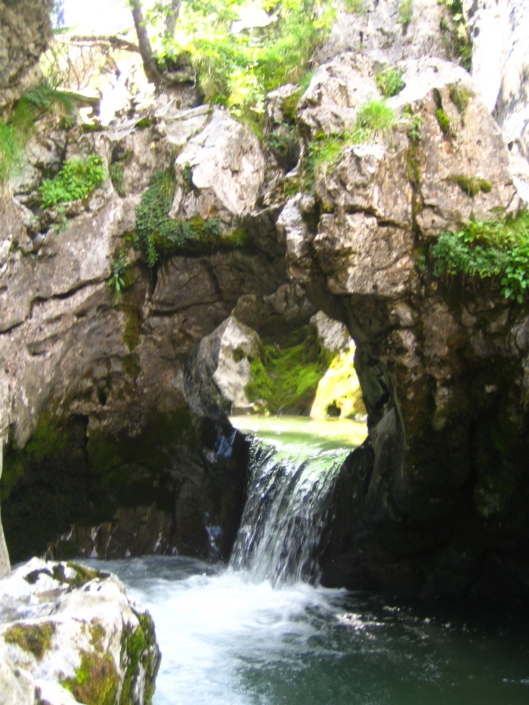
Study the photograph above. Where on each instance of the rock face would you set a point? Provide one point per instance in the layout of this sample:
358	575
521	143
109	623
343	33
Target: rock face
112	401
69	634
225	168
4	556
25	31
429	504
499	60
102	371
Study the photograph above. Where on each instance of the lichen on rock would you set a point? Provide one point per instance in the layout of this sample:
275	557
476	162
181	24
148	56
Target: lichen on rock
75	637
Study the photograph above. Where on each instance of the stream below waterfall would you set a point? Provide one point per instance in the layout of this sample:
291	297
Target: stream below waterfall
255	633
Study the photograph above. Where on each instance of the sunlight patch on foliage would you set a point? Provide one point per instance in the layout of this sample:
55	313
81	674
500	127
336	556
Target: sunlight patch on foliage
237	69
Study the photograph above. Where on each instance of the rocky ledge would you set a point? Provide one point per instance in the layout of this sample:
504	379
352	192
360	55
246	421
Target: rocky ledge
70	634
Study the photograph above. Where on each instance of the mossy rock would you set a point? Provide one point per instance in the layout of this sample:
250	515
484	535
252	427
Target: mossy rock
34	638
96	680
460	97
65	477
285	377
472	185
140	657
128	471
443	121
44	486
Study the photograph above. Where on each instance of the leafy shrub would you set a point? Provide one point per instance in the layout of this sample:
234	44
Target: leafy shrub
157	234
15	132
78	178
390	82
485	250
119	267
41	99
238	69
456	35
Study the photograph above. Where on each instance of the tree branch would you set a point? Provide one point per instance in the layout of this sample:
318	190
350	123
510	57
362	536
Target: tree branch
149	63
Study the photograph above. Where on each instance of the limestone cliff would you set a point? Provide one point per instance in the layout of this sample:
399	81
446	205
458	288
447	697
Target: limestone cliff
25	31
111	399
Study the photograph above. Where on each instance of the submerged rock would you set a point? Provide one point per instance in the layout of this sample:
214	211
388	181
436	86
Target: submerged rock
70	634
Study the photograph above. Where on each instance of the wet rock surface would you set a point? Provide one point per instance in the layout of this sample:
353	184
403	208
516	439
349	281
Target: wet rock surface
70	634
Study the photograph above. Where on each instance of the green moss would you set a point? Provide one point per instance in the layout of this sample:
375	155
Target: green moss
289	105
354	7
413	169
96	680
47	440
97	634
187	176
11	151
460	97
13	471
286	378
238	354
131	366
49	491
443	120
472	185
157	234
125	470
139	651
132	334
83	574
144	123
35	638
115	171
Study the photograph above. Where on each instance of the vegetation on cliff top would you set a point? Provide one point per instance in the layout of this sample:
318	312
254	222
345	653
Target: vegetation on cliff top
374	117
486	250
239	59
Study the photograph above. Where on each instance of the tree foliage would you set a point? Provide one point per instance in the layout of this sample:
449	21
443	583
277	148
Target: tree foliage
240	52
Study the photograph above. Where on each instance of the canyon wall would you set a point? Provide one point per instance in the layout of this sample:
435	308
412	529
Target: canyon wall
111	400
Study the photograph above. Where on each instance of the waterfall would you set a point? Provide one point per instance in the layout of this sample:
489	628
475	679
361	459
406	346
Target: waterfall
287	508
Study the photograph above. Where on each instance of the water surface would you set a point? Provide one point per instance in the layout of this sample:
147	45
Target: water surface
227	641
232	637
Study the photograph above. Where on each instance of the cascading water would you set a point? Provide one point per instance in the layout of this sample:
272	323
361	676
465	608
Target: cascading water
284	516
256	635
